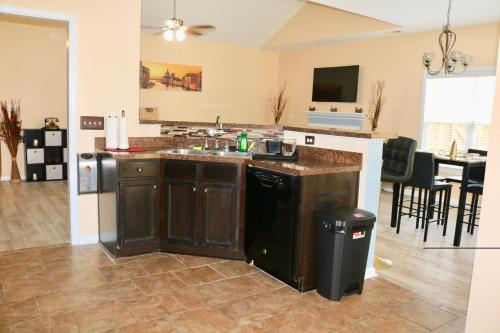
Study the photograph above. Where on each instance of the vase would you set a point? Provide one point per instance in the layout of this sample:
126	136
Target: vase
15	177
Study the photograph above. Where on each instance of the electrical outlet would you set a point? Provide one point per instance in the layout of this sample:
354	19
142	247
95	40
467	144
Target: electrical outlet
309	139
91	123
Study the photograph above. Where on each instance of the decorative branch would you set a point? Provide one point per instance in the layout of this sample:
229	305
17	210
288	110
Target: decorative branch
278	104
10	132
376	102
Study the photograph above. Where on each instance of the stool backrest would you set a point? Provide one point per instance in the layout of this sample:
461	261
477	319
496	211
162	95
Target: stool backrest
477	173
398	156
423	171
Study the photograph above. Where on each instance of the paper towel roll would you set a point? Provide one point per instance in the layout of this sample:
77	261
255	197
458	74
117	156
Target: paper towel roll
122	132
112	131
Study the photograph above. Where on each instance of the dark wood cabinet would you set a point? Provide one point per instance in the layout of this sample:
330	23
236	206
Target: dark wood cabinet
129	205
139	205
202	211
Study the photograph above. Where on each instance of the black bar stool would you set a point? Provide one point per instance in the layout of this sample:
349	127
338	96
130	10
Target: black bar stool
397	167
476	190
423	180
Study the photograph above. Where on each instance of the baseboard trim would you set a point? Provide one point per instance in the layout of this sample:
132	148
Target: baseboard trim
7	179
370	273
89	239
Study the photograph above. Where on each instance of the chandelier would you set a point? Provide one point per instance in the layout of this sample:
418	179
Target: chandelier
450	57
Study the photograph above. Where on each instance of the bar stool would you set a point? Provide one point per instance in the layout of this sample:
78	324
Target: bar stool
423	180
397	167
476	190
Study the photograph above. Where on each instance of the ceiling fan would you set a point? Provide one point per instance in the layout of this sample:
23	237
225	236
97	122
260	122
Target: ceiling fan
174	29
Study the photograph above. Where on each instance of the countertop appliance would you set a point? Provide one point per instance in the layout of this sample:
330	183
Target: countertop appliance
279	225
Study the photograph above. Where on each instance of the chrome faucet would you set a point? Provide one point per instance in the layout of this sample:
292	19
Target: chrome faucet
216	145
226	146
218	123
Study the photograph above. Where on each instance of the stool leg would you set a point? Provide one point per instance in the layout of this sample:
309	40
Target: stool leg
419	206
446	209
412	198
476	202
425	211
395	197
440	221
400	212
427	214
471	213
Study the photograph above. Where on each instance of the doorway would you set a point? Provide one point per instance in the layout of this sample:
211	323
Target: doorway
52	202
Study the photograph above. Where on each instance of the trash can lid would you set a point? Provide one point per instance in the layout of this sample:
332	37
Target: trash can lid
354	216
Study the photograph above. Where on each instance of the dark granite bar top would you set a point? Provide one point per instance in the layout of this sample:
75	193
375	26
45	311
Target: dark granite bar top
312	161
341	132
302	167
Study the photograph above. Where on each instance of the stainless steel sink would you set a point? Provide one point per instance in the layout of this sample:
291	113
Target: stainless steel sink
186	151
236	154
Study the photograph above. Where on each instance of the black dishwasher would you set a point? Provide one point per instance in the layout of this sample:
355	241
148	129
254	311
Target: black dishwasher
271	222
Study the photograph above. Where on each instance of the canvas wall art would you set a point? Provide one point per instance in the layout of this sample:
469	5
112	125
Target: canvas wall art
158	76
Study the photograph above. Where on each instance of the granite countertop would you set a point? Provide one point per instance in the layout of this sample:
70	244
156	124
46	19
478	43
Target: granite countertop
341	132
302	167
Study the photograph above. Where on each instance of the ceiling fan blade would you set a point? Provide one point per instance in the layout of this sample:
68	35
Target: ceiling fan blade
158	33
153	28
193	33
201	27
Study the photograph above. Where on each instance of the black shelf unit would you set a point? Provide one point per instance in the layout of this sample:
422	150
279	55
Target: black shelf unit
46	154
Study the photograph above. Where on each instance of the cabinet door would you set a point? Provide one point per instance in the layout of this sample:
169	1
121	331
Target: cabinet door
53	138
179	222
220	215
139	202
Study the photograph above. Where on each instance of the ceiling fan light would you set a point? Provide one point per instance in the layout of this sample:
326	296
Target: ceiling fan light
180	35
168	35
170	23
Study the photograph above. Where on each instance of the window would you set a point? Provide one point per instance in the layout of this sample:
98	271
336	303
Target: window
458	108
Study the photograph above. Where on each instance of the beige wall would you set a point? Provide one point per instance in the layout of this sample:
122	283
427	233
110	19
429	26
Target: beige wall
33	69
107	45
395	59
484	300
237	81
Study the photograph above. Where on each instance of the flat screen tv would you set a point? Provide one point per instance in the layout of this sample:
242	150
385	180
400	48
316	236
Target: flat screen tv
335	84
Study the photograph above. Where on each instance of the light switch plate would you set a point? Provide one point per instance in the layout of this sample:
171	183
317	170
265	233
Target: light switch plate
91	123
309	140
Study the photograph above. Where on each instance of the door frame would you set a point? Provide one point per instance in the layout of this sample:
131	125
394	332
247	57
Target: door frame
70	19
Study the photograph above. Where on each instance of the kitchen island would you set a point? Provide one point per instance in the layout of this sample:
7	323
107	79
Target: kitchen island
196	203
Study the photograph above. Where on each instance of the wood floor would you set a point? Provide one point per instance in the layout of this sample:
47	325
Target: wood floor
443	276
33	214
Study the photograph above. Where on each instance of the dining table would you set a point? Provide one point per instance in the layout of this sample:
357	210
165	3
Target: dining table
466	162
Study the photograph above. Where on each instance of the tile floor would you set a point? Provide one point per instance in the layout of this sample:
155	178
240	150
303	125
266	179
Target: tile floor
80	289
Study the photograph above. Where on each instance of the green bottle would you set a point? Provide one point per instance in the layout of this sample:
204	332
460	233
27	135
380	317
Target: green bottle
243	141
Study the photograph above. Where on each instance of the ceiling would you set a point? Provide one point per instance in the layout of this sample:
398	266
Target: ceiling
244	22
421	15
252	23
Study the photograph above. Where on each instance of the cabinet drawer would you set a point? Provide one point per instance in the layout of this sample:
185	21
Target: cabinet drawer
139	169
53	138
220	173
35	156
53	172
180	170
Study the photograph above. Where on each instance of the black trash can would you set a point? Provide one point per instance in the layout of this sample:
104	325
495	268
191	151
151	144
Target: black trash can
342	243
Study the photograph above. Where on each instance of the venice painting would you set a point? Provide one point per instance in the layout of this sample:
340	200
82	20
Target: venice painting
158	76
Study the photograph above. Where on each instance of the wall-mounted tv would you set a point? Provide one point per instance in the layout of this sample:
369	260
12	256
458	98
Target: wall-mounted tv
336	84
